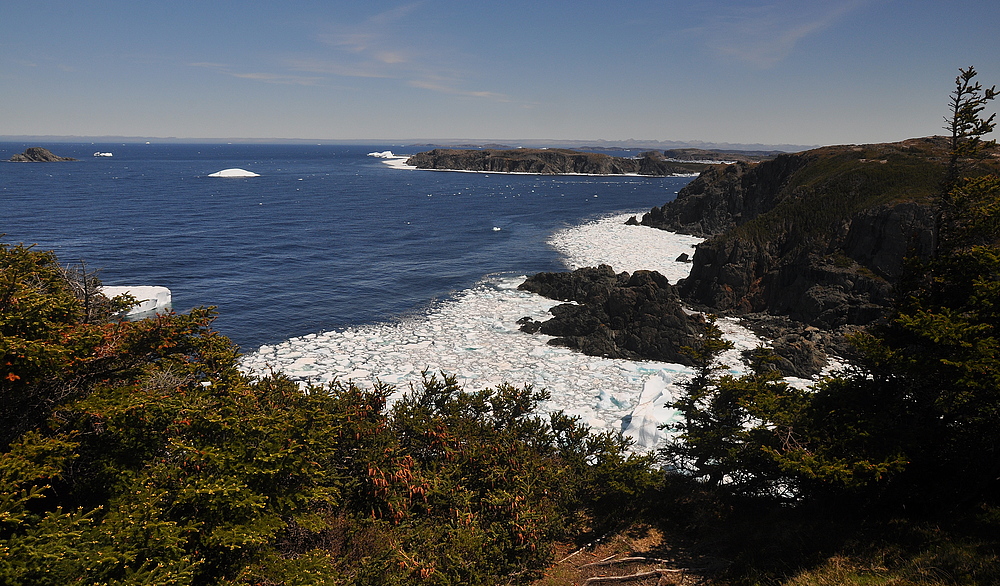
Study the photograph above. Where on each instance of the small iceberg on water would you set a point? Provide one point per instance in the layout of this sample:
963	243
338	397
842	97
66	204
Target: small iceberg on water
234	173
383	155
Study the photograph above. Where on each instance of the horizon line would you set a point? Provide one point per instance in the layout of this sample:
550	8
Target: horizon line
477	142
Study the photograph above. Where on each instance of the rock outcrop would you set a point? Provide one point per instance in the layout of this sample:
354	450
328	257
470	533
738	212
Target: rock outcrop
819	236
38	155
723	197
809	246
637	316
551	162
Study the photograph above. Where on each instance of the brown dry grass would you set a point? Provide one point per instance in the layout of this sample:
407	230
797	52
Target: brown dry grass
575	563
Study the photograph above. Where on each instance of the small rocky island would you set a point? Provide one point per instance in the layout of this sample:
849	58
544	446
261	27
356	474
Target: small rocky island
38	155
555	162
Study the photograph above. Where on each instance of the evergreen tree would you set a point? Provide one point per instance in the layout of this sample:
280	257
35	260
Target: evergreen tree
966	125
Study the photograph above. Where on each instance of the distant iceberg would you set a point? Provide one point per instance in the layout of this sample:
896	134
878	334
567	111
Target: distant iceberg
234	173
383	155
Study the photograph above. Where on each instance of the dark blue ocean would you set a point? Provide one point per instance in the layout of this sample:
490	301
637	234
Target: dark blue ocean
325	238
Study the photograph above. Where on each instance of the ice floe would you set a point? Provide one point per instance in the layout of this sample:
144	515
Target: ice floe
234	173
475	337
149	299
393	160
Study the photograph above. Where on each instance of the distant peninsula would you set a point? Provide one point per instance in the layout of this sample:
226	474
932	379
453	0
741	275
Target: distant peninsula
38	155
570	162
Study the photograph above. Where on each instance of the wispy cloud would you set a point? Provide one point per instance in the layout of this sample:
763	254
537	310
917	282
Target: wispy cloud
42	61
763	35
332	67
257	76
280	79
444	88
384	46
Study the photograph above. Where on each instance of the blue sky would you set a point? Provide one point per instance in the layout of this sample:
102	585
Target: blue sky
774	72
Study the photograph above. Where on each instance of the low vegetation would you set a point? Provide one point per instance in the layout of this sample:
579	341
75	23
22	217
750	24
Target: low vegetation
137	453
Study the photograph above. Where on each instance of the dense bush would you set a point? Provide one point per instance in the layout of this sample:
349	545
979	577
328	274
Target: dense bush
137	453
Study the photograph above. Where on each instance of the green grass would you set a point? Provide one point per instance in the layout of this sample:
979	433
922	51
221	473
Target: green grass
837	184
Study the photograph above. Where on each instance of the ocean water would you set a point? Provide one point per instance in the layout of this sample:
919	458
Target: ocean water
332	265
325	239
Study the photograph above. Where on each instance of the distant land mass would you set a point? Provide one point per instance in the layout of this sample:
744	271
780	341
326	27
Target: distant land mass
567	161
590	145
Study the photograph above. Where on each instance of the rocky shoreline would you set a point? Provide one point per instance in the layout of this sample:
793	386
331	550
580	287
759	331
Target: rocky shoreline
804	248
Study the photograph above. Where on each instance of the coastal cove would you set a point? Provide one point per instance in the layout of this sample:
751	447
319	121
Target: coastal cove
326	238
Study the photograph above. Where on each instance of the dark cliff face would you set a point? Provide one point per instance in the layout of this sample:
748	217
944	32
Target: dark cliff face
725	196
819	236
549	161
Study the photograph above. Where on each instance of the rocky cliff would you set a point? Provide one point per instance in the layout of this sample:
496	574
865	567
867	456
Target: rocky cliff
806	246
38	155
819	236
551	161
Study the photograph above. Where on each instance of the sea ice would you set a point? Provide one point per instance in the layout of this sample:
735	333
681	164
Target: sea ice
234	173
475	337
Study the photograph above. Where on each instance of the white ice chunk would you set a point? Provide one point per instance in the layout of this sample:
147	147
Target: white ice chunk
643	425
234	173
626	248
151	299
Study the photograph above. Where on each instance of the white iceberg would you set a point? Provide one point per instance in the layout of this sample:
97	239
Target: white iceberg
150	299
234	173
652	411
383	155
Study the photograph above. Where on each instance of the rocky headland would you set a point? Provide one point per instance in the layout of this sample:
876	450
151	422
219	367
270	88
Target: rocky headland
38	155
553	162
819	236
808	247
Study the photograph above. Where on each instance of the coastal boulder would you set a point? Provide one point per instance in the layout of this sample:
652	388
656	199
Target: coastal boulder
634	316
